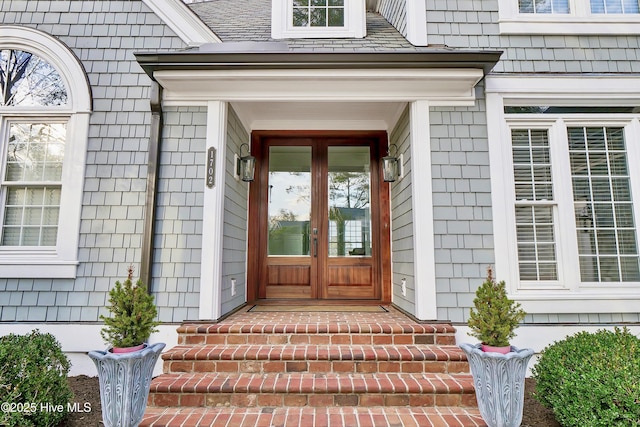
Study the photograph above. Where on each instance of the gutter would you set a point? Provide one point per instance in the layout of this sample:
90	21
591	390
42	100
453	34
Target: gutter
207	58
155	138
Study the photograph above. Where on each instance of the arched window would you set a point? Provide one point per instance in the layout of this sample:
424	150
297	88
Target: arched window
44	109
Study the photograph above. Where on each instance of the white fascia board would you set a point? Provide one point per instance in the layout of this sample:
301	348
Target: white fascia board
444	86
183	22
555	87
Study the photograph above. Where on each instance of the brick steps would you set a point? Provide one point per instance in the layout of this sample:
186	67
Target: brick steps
319	334
313	358
314	369
308	417
330	389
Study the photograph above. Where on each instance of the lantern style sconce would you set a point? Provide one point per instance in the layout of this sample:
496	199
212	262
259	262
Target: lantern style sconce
246	165
391	165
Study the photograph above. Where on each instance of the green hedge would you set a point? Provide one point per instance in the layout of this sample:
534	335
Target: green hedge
592	379
34	390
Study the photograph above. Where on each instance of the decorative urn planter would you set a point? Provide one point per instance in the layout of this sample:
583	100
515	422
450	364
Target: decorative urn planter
124	383
499	383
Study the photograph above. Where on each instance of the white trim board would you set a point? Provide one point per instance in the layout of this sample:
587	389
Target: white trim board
77	339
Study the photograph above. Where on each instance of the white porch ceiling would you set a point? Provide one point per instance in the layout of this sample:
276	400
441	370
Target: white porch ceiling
319	115
320	98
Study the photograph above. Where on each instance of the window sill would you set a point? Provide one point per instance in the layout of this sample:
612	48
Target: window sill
570	25
36	265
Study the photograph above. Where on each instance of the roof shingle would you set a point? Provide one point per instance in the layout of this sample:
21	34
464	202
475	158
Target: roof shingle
250	20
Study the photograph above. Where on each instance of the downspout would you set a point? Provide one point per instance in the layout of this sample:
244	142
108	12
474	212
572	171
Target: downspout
155	138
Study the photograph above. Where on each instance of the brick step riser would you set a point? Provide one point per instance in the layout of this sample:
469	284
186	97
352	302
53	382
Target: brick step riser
317	339
249	400
319	366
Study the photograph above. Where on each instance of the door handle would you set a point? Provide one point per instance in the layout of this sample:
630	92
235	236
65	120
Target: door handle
315	243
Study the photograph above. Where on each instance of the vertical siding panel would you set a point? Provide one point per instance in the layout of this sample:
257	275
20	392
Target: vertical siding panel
402	221
236	205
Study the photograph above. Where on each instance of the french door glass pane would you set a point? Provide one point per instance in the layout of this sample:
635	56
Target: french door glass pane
349	181
289	200
603	207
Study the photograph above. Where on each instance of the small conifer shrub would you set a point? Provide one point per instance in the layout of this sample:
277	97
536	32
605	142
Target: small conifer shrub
494	317
133	314
34	391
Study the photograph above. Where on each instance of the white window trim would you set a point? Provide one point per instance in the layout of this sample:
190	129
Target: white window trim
579	21
60	261
568	294
282	27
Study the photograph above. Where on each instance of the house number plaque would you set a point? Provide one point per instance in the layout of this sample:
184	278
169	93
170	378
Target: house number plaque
211	167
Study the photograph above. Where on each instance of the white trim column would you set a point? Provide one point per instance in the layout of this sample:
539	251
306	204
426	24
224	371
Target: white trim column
213	214
422	197
417	22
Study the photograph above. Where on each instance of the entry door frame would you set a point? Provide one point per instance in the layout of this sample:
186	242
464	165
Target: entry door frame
257	244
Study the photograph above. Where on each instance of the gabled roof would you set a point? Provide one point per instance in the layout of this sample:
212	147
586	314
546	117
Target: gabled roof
250	20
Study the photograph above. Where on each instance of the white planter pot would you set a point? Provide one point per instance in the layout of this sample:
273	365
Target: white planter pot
499	383
124	384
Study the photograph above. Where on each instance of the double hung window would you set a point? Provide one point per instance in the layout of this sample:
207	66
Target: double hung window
44	118
566	199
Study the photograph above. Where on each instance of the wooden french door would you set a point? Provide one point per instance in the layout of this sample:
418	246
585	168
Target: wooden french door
319	217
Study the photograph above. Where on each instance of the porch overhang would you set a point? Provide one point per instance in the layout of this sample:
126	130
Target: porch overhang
441	76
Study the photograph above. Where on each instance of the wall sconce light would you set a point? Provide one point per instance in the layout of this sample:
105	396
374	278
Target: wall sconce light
390	165
246	165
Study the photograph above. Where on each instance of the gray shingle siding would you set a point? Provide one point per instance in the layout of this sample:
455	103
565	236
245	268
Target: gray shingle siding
402	253
236	206
103	35
178	239
474	24
395	12
463	230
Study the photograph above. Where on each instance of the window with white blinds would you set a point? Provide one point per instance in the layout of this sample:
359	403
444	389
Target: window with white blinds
534	205
605	224
568	177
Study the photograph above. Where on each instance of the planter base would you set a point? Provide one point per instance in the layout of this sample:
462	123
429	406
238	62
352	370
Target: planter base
124	384
499	383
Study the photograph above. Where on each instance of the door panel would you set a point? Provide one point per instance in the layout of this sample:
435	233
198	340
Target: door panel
350	262
318	218
289	209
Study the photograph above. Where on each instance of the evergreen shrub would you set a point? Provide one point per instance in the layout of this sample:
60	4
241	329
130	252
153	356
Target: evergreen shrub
494	317
133	314
34	390
591	379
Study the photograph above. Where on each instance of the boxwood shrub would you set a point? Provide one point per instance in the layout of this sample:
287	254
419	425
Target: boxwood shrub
591	379
34	390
